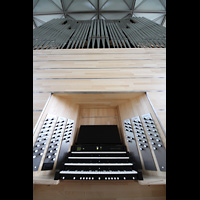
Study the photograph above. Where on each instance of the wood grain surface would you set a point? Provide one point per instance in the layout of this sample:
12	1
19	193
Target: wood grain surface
99	190
71	70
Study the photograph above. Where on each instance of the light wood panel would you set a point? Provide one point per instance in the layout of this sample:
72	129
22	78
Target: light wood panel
85	64
158	99
142	62
100	85
36	115
162	117
139	56
99	73
39	100
99	190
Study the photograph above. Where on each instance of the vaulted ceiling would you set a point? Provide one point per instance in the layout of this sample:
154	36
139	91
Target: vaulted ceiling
45	10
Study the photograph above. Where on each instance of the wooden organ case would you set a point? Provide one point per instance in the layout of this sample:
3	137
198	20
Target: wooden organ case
58	157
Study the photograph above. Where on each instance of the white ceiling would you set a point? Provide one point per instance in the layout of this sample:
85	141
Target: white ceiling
45	10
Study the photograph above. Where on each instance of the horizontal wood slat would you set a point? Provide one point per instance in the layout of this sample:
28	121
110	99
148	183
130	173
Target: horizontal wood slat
100	85
58	64
100	57
101	51
99	73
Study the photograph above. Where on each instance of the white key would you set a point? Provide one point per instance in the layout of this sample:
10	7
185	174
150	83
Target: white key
98	152
98	172
98	164
98	157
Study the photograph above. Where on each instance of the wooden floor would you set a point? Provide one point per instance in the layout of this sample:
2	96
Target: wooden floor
72	70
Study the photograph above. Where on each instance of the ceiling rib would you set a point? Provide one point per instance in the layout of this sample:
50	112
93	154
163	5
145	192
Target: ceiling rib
133	7
139	4
92	4
98	9
55	5
101	12
129	9
162	4
69	5
35	4
126	4
63	8
103	4
150	11
34	23
157	18
163	21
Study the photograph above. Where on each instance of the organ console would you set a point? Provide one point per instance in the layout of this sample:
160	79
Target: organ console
98	154
133	151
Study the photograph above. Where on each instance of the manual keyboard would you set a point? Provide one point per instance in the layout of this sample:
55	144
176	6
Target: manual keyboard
98	165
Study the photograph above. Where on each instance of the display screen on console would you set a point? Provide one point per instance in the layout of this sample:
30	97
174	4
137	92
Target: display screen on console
98	134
